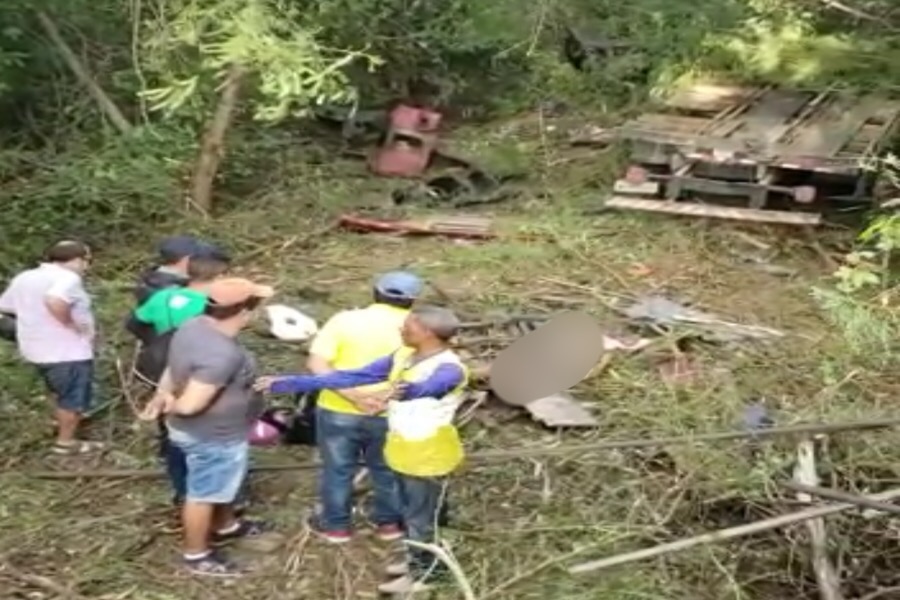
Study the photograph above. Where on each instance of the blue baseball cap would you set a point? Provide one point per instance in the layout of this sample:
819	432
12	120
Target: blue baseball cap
399	285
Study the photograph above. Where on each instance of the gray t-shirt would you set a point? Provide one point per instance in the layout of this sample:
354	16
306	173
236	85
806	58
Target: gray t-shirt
201	352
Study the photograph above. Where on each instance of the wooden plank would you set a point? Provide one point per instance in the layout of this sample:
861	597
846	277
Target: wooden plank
708	97
767	119
673	123
836	125
717	212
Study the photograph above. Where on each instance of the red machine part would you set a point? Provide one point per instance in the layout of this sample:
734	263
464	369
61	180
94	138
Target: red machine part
412	119
411	140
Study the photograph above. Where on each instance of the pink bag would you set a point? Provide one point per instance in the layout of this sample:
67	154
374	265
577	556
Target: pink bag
268	429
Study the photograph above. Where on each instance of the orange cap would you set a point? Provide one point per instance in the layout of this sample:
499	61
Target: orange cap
235	290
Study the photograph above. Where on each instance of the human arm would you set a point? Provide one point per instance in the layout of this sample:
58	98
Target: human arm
59	300
375	372
162	400
442	381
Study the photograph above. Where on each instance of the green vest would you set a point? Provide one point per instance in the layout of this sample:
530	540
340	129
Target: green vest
168	308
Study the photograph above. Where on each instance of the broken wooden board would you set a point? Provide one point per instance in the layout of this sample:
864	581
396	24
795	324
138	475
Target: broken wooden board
560	410
708	97
717	212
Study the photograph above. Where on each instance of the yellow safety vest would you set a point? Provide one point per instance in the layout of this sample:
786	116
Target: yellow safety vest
422	440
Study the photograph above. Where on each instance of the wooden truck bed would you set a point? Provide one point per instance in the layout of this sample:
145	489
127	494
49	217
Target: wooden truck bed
754	144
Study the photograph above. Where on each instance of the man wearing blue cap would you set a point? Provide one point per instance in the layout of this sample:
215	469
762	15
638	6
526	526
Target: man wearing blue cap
349	424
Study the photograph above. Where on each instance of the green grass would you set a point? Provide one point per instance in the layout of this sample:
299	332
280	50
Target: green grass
518	523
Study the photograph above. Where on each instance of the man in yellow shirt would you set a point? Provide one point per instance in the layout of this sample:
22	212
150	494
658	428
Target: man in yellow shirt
349	424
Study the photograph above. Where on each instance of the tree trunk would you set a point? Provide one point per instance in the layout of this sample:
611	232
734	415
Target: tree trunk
213	146
103	101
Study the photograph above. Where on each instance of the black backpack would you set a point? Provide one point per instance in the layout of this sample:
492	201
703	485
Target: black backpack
301	429
153	357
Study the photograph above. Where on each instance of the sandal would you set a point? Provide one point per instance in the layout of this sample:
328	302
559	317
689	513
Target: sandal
77	447
212	565
246	528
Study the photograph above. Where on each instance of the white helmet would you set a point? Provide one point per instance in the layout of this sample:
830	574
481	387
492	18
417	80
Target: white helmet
289	324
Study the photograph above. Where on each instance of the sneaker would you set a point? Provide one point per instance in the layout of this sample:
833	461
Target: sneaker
335	536
76	447
245	528
397	569
403	585
211	565
388	533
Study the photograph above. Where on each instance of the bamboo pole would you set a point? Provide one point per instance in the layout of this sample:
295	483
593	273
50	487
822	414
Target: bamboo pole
841	496
724	534
485	456
805	474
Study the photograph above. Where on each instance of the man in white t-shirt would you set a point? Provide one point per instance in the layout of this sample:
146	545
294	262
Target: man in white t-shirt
55	332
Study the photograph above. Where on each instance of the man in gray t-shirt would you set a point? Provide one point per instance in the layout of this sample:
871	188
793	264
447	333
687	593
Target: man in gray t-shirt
207	394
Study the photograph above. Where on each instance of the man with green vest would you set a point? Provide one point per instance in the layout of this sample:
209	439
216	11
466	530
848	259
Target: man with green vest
426	381
164	311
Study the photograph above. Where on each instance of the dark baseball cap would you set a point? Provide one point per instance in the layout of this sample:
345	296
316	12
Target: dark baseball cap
175	248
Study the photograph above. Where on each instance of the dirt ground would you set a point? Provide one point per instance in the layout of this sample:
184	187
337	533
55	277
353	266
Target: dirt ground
519	522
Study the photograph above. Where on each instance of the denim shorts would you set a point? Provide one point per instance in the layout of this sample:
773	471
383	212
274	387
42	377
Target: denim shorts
215	469
71	382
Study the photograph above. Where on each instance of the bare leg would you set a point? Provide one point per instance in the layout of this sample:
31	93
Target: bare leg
67	423
197	518
223	517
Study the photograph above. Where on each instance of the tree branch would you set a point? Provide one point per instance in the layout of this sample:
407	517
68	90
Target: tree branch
107	106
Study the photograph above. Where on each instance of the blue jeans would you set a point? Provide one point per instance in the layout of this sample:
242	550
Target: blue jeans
216	470
422	499
343	440
175	463
71	382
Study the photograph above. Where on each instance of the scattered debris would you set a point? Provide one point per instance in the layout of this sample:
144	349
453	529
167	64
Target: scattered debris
472	228
660	311
561	410
583	49
459	188
411	139
592	135
289	324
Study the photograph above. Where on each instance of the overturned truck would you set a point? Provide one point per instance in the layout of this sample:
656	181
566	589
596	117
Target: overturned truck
755	154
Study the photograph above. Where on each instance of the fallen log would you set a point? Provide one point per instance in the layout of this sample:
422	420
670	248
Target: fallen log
723	534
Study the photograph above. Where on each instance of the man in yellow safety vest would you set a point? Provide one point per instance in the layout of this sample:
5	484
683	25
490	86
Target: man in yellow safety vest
423	446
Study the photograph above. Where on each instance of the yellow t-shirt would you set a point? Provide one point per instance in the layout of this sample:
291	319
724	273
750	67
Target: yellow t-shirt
354	338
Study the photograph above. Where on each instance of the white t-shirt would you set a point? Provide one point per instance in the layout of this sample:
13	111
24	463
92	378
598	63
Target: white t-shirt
41	337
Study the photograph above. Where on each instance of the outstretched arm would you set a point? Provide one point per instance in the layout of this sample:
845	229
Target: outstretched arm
375	372
444	379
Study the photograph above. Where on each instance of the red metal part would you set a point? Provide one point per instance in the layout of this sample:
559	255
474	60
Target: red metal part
410	142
